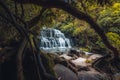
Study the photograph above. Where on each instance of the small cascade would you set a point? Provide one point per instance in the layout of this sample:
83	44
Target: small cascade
53	40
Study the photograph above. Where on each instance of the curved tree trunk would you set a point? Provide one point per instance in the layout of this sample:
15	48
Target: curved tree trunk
36	19
20	75
78	14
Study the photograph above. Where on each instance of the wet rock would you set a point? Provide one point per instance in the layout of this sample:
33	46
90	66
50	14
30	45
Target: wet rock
65	56
73	52
87	53
83	69
66	63
117	76
91	75
94	56
64	73
80	62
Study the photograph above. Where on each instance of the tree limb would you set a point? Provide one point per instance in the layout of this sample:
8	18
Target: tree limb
20	75
22	10
13	21
36	19
41	66
16	9
78	14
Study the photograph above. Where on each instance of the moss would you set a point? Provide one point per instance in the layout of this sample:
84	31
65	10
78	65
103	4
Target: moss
48	63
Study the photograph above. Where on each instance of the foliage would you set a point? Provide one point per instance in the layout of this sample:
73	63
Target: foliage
7	31
78	29
72	27
84	49
48	63
109	18
114	39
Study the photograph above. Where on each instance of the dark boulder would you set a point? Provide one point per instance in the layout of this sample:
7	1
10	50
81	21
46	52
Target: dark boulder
64	73
76	52
91	75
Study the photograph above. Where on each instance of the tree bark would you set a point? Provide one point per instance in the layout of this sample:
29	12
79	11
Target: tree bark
36	19
78	14
20	75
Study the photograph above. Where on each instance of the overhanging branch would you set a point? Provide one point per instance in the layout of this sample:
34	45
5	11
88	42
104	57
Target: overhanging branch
78	14
36	19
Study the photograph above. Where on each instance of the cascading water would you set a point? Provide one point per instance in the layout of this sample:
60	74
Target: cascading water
53	40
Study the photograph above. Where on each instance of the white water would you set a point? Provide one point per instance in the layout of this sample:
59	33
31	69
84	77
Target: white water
53	40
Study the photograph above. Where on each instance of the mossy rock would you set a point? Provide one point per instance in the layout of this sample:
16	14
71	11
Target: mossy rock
48	63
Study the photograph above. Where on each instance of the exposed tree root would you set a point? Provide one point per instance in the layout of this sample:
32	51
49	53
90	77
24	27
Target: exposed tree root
19	60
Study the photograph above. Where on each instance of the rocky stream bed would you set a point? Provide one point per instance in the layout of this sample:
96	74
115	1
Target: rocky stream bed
77	65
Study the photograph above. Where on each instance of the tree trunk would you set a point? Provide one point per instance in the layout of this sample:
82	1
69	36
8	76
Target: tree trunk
19	61
78	14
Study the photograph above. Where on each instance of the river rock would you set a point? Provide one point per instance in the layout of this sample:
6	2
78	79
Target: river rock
65	56
117	76
64	73
80	62
78	53
91	75
94	57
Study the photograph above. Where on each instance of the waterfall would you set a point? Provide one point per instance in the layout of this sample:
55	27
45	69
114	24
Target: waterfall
53	40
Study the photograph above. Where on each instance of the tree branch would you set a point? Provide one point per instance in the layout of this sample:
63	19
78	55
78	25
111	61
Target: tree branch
16	9
20	75
36	19
22	10
78	14
13	21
